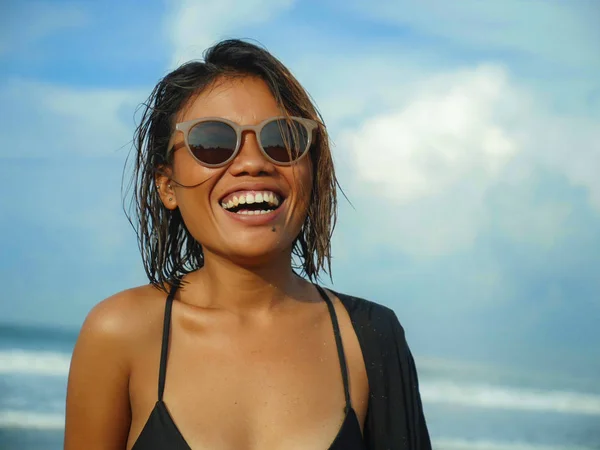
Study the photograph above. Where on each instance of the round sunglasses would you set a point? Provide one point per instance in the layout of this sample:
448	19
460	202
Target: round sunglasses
215	141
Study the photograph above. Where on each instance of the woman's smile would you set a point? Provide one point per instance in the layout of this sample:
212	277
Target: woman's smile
254	207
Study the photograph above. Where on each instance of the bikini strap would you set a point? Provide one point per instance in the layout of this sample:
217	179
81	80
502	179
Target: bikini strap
339	345
164	352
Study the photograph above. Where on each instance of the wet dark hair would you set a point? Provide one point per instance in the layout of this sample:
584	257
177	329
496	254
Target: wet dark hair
168	249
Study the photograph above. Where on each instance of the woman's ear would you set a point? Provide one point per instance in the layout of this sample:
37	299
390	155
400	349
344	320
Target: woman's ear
164	187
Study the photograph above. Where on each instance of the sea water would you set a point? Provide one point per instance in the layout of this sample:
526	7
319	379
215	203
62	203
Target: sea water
34	365
465	410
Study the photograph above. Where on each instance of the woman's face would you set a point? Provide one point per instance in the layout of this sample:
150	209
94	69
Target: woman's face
247	238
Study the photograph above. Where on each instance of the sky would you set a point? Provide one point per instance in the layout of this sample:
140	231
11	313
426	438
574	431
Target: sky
466	136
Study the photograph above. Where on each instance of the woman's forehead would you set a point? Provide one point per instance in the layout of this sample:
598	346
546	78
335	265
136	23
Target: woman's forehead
246	101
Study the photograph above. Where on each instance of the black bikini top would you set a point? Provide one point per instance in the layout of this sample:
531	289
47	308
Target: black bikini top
161	433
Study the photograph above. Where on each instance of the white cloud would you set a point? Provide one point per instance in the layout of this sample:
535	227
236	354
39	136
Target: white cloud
420	143
47	120
424	168
194	25
451	128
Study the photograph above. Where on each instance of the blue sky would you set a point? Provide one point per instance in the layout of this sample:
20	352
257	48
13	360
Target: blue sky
466	137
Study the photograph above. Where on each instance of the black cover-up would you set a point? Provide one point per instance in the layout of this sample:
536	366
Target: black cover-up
395	419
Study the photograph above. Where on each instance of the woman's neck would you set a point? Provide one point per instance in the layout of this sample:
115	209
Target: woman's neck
223	284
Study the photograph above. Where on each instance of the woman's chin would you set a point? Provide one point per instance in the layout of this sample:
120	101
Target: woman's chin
257	252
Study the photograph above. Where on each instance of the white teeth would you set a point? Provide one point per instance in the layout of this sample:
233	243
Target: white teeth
248	199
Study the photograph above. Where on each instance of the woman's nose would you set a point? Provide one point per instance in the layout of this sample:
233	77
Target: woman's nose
250	160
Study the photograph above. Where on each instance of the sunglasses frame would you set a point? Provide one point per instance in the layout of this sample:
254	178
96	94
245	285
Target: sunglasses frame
186	127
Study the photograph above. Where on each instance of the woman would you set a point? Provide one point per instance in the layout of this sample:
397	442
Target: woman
227	347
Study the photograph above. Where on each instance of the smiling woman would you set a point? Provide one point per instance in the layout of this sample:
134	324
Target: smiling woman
234	177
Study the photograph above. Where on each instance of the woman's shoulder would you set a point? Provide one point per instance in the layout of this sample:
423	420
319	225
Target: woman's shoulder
125	316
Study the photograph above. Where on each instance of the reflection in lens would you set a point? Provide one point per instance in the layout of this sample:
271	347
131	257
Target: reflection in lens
280	135
212	142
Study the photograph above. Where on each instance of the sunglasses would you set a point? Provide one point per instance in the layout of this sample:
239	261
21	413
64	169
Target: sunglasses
215	142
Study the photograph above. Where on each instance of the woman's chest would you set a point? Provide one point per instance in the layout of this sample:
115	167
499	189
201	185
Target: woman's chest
277	389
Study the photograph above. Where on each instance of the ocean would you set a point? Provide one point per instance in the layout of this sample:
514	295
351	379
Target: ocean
467	407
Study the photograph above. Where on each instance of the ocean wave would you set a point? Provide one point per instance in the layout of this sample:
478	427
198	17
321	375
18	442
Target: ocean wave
472	394
34	362
30	420
505	397
459	444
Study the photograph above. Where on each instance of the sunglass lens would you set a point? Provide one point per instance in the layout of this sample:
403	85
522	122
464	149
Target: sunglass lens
284	140
212	142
